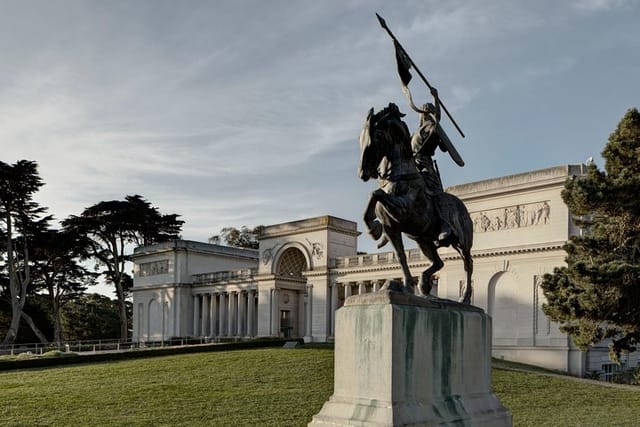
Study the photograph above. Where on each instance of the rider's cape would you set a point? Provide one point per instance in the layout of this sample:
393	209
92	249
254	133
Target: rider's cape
445	143
446	146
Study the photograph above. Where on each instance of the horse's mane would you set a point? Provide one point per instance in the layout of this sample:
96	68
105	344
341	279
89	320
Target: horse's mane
389	120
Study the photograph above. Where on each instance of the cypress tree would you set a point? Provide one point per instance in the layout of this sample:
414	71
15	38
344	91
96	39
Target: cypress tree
596	296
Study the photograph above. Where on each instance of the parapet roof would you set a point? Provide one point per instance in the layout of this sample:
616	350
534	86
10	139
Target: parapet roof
310	224
191	245
504	184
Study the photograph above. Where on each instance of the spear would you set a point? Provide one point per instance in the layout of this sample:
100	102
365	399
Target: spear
413	64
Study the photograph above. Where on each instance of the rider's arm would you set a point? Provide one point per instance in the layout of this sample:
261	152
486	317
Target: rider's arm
436	102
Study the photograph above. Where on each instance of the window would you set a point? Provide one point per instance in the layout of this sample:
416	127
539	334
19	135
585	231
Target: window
292	263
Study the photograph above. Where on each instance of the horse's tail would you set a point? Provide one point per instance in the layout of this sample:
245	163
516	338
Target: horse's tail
459	220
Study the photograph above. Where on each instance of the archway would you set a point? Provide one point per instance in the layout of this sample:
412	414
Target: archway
291	288
511	310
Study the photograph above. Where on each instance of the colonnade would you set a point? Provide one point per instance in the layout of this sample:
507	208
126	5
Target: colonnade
350	288
225	314
233	313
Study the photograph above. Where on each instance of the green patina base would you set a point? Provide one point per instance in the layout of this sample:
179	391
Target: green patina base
407	360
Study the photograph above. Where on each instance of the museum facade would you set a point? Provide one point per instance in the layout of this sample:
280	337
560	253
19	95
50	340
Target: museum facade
304	270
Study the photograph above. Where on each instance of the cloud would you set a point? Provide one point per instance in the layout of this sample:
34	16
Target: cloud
448	28
240	113
598	5
528	73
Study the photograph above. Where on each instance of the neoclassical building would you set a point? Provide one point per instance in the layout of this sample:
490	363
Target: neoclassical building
304	270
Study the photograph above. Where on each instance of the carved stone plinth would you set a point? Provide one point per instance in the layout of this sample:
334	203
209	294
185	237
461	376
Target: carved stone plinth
407	360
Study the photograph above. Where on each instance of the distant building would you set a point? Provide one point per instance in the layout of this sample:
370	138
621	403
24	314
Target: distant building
304	270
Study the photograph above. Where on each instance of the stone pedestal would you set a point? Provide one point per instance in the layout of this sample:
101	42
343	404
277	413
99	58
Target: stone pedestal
407	360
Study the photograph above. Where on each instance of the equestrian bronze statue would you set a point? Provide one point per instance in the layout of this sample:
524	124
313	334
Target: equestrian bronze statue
410	198
405	203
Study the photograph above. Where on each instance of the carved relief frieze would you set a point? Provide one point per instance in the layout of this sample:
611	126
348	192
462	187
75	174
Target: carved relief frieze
512	217
153	268
316	249
267	254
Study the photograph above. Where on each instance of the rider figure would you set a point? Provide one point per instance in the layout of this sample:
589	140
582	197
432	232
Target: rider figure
424	142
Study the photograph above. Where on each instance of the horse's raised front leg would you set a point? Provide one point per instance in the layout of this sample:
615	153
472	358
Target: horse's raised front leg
429	250
398	246
374	227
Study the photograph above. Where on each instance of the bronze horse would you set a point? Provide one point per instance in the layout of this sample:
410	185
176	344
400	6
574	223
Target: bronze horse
401	203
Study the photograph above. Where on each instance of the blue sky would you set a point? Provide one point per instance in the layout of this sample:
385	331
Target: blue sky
236	113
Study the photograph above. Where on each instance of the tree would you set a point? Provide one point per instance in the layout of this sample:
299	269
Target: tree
596	296
39	314
113	227
22	219
91	317
241	238
58	270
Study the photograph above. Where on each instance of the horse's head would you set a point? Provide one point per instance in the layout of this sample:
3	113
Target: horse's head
380	131
369	156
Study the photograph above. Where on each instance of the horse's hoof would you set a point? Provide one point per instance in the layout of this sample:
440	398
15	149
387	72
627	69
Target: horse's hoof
423	291
383	242
393	285
375	229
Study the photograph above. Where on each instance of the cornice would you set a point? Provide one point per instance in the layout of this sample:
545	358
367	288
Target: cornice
424	262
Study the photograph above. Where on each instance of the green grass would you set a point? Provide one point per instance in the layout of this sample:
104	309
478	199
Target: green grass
276	387
542	400
259	387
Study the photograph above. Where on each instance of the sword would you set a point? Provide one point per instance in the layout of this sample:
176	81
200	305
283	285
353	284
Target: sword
424	79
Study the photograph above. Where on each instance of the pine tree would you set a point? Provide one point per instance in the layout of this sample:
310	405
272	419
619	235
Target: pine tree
112	227
20	219
596	296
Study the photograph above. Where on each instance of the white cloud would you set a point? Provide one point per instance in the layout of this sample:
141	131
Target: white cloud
234	113
599	5
451	26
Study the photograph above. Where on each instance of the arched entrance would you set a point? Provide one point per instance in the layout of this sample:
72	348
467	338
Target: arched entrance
510	308
291	289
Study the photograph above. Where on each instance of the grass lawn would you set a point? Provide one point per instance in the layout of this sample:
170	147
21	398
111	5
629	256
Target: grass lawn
277	387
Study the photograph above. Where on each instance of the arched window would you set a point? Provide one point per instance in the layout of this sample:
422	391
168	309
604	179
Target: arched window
292	263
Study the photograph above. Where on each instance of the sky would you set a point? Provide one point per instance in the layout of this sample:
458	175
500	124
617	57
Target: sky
248	112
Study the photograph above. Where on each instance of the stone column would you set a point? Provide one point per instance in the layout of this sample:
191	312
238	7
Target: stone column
222	311
251	307
362	289
377	284
334	306
242	313
204	328
231	327
347	290
275	313
196	315
308	314
213	315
